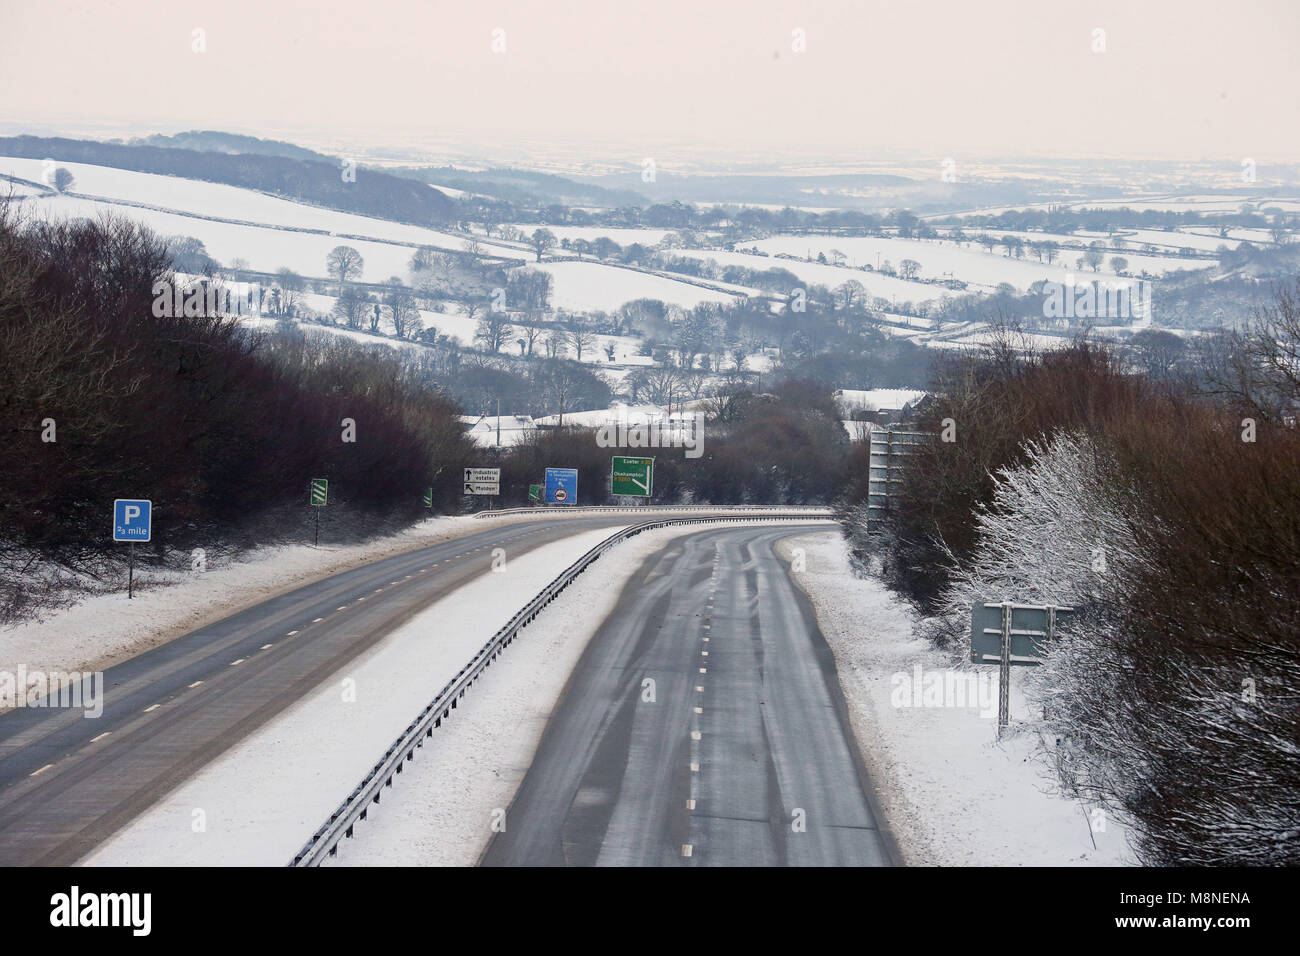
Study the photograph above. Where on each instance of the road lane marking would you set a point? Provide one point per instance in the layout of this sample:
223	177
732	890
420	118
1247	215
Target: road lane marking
704	653
690	804
704	670
699	710
291	633
196	683
41	771
695	768
154	707
686	849
267	647
699	689
343	608
101	736
238	662
318	620
695	735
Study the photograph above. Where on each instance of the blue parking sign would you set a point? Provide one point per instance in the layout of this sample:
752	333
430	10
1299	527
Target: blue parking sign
132	519
562	486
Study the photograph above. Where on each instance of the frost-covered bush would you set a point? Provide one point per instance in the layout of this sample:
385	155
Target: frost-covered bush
1058	530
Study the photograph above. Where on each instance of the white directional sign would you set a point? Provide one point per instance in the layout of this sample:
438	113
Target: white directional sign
482	481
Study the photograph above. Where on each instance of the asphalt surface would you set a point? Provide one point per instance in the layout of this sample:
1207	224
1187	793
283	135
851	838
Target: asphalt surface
704	726
67	782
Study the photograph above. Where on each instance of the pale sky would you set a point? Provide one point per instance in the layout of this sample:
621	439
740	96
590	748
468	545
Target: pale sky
1179	79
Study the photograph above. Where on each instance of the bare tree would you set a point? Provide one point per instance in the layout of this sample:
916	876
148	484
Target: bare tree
580	334
400	310
344	263
493	330
542	241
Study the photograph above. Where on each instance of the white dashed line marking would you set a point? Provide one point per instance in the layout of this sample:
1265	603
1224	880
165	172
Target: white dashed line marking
267	647
153	708
101	736
41	771
196	683
238	662
695	768
695	735
690	804
318	620
699	690
686	849
699	710
291	633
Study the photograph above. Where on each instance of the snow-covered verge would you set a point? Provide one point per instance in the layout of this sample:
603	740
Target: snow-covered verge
951	792
108	628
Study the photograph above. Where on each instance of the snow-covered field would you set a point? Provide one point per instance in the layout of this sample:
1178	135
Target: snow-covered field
226	202
623	236
877	285
949	260
952	794
590	286
264	248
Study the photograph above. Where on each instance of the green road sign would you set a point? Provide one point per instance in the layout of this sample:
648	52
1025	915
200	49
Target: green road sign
534	492
319	491
632	476
428	497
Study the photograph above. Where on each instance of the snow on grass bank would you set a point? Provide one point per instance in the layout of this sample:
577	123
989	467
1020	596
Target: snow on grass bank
264	797
952	794
108	628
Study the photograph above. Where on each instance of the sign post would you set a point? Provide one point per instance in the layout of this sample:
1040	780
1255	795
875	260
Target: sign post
1004	670
319	495
632	476
132	521
562	486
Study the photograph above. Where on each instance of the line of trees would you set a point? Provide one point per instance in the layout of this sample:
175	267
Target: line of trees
221	428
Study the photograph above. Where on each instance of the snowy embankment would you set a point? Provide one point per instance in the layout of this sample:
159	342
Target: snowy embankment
265	797
952	794
106	629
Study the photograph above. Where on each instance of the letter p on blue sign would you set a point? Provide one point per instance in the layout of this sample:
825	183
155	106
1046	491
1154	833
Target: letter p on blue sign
132	519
